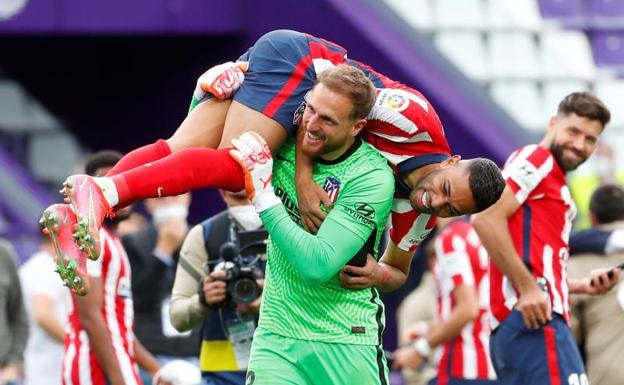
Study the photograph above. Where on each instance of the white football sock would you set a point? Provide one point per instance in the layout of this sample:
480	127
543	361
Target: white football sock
109	190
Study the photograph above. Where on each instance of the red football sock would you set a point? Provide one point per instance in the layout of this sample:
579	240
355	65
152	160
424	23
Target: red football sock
178	173
140	156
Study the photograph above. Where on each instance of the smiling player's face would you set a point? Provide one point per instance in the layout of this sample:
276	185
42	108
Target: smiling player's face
444	191
329	129
574	139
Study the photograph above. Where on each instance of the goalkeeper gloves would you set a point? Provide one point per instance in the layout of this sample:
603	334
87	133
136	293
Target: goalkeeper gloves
253	154
222	80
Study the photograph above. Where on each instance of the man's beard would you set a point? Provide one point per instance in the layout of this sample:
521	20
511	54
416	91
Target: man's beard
312	152
565	165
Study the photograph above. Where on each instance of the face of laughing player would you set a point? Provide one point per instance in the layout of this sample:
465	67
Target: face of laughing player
329	129
444	191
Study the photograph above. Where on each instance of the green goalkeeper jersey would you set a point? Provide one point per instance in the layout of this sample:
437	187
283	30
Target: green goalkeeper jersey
302	296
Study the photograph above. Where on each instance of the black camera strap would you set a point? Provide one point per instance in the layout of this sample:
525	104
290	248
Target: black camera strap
216	233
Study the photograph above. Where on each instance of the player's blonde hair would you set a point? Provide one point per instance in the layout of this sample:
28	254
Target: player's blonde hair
354	84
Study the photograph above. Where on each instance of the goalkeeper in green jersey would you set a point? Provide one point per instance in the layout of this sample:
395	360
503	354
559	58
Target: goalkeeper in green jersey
312	330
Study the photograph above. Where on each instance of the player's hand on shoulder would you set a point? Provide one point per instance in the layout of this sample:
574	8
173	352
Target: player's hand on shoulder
310	196
535	307
358	278
222	80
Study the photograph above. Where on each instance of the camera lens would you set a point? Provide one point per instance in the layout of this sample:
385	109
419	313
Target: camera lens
244	290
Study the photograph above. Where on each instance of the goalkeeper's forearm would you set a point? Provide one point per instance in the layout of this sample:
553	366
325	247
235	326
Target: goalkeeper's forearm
316	257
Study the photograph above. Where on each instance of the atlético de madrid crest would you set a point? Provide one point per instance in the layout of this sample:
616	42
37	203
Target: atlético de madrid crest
332	188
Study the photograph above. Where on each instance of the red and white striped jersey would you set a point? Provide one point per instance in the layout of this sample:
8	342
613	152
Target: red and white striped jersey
462	260
404	128
540	229
80	365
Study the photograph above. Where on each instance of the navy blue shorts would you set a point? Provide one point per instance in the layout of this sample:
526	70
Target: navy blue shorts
281	72
545	356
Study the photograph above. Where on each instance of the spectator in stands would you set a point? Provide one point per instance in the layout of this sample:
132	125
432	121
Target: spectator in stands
598	321
45	300
416	312
131	225
199	297
153	252
13	318
100	344
463	329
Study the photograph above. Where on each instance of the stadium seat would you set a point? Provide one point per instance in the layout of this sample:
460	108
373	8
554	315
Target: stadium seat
554	91
567	54
19	112
611	92
513	55
522	100
459	14
417	13
608	48
516	14
466	49
52	154
570	13
41	118
606	14
13	107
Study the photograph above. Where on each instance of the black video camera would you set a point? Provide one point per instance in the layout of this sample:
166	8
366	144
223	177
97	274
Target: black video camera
241	267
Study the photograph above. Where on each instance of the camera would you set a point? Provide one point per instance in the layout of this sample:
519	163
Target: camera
241	268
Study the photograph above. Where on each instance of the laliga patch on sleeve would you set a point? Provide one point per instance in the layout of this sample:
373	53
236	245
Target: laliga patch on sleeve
524	173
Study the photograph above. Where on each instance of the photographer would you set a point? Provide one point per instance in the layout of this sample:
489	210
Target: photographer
218	282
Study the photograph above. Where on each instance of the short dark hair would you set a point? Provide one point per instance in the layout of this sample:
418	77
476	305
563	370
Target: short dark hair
607	203
486	182
586	105
104	158
354	84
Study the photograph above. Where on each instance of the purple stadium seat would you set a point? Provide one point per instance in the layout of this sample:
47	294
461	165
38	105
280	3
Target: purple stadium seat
568	12
606	14
608	50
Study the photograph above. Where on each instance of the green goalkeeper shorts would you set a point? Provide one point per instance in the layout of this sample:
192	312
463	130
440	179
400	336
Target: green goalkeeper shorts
277	360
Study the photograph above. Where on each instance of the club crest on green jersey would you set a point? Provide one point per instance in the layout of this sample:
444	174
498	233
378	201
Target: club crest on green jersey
332	188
